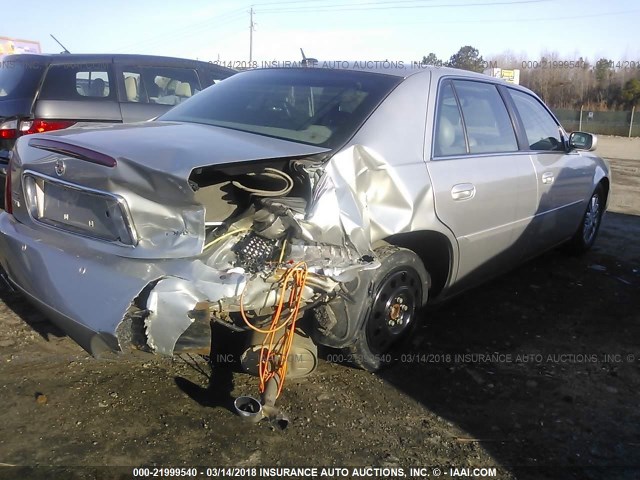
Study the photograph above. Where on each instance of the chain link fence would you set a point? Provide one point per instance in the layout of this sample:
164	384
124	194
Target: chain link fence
624	124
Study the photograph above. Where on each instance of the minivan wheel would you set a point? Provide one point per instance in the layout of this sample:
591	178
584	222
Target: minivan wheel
390	312
587	231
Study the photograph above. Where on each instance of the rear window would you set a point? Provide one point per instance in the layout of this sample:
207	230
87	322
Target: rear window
19	78
78	82
314	106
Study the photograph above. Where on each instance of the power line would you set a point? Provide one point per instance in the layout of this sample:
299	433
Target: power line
343	4
302	1
190	29
393	6
512	20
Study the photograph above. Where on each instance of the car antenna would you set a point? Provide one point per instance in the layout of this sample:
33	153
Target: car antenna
65	48
307	62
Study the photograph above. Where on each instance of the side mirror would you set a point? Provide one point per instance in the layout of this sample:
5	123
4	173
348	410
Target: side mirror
583	141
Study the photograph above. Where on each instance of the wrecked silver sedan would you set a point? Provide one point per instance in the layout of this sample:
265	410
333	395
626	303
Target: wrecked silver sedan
351	195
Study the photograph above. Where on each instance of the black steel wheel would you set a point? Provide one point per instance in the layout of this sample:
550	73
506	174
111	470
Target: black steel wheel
389	313
394	309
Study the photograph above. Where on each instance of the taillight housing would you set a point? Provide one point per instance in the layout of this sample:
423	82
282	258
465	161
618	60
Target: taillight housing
8	130
8	204
12	129
28	127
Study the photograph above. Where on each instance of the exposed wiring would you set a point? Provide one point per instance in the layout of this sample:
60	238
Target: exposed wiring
284	246
268	173
274	353
274	327
226	235
275	348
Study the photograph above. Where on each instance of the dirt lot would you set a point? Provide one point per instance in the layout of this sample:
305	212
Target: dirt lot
535	373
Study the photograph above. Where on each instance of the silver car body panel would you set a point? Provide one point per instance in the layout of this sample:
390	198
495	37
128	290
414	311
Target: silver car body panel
383	182
173	228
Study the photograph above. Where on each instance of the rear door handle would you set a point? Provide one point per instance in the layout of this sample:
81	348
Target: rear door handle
547	178
463	191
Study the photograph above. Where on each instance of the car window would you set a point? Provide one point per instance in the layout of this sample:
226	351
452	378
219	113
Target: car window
543	133
486	119
20	78
161	85
315	106
449	137
92	83
78	82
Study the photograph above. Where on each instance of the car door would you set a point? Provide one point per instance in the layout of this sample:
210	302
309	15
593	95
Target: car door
77	91
484	187
563	178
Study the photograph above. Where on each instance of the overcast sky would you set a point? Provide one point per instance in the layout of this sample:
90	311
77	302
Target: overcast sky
331	29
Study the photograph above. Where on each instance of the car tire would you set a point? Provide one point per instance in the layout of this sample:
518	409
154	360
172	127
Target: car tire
389	313
587	231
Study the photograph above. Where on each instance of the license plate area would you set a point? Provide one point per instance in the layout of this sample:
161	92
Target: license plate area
78	210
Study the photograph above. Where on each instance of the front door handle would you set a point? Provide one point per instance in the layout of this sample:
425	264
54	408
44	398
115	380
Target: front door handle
547	178
463	191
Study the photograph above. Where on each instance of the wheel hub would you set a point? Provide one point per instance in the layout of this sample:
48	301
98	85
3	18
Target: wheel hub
393	309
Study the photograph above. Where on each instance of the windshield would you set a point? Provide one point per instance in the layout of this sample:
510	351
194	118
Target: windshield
19	78
315	106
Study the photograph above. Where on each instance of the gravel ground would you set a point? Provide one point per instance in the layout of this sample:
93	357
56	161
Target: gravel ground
535	373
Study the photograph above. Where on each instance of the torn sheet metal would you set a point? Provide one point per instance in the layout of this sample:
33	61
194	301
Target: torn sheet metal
338	263
362	199
169	304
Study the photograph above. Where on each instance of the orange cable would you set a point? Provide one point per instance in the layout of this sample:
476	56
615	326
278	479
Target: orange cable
274	354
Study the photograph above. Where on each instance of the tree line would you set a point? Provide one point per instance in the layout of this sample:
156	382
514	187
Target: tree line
606	84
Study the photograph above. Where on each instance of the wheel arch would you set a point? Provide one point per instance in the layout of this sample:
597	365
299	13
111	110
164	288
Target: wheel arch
435	251
606	185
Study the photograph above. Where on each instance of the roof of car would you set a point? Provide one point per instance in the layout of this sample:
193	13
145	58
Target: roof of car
407	69
64	58
396	69
402	71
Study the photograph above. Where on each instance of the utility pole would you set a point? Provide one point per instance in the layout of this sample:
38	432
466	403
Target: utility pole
251	27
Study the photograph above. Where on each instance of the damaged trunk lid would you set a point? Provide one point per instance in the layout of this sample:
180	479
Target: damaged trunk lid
177	148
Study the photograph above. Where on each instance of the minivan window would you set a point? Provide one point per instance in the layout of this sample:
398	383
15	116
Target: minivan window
315	106
20	79
78	82
543	133
92	83
489	128
161	85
